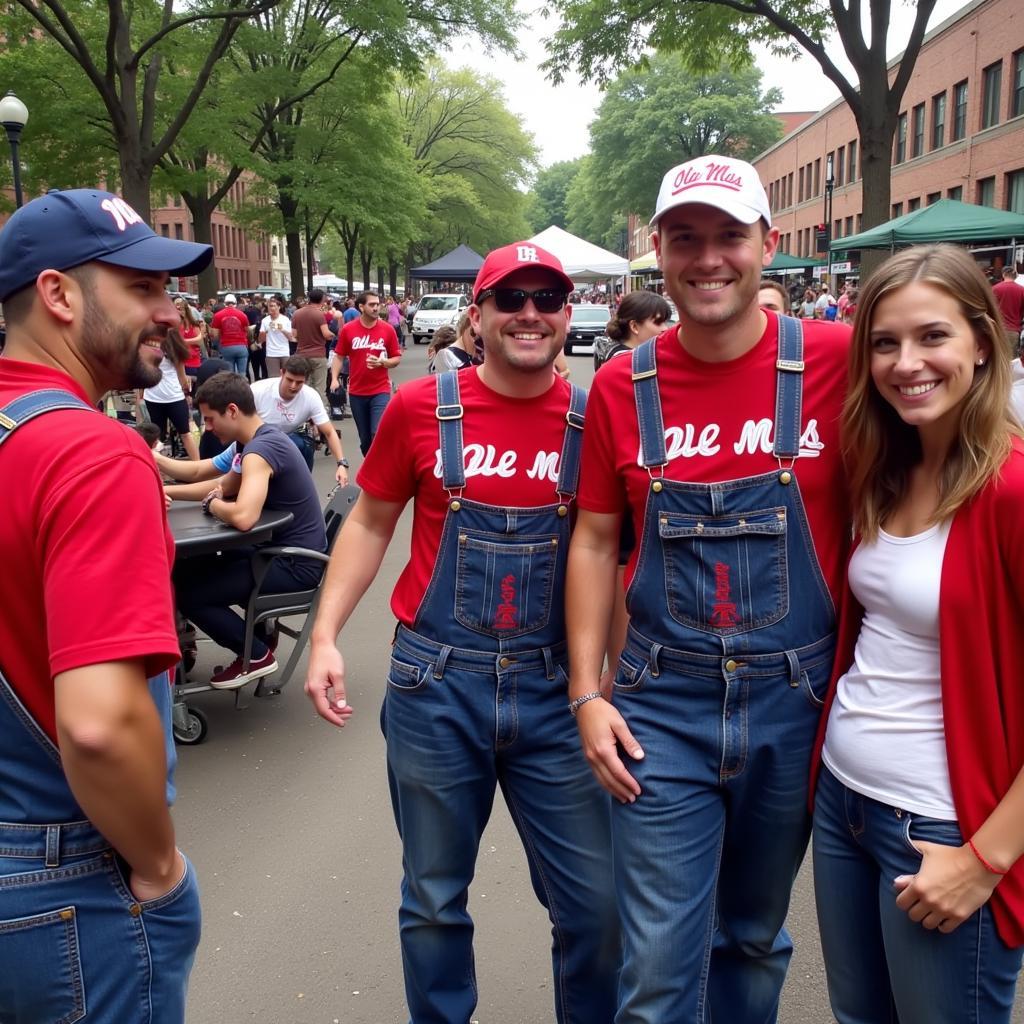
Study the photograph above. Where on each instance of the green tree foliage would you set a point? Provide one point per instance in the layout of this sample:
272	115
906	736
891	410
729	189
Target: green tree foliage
599	37
474	156
655	116
547	199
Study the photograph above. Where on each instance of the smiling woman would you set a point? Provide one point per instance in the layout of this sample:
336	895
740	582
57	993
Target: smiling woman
922	722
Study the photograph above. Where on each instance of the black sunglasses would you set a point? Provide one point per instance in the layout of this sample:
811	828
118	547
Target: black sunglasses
511	300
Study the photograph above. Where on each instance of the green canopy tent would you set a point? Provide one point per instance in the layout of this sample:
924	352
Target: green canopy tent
783	263
946	220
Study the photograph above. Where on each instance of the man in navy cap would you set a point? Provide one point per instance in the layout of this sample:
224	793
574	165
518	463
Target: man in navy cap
104	918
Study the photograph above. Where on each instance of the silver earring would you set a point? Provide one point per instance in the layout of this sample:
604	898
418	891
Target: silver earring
980	362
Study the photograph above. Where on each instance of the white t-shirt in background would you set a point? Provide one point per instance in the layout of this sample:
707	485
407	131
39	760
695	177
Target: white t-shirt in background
277	340
885	737
287	415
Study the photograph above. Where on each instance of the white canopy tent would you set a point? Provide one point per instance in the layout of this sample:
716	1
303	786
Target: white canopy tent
583	261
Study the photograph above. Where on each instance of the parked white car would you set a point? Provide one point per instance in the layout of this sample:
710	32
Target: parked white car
435	311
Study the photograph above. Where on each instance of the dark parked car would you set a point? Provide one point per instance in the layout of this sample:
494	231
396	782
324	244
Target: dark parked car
587	323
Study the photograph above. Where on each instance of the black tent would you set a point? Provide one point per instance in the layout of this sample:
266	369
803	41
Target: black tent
461	264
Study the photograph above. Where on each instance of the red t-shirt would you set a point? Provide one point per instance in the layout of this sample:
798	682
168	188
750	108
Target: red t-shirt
308	324
357	342
719	426
84	543
190	335
233	325
1010	299
511	453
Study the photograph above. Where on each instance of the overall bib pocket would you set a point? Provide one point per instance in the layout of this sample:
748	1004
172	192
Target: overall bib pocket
504	586
725	574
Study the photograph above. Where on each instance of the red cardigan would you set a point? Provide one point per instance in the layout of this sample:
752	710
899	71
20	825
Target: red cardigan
981	624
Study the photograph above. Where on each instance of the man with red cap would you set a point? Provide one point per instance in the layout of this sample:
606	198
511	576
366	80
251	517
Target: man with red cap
476	687
720	439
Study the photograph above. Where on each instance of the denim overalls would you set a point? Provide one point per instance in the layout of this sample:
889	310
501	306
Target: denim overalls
726	661
476	697
74	943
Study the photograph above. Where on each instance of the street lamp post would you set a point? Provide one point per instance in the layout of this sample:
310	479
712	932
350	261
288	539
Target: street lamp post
14	116
830	183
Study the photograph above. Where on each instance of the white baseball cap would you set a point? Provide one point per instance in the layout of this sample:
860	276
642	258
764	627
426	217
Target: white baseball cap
723	182
230	300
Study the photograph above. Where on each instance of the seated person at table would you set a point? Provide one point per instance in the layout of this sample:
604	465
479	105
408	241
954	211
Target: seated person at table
285	402
273	476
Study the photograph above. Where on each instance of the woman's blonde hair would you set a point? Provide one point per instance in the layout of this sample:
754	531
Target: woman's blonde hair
879	448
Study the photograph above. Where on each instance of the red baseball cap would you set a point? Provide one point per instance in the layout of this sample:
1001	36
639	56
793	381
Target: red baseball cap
504	262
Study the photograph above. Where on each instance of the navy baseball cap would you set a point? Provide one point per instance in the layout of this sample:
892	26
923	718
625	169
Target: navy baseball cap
65	229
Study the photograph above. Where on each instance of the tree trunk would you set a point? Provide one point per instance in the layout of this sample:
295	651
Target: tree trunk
876	185
136	179
366	258
393	266
380	281
202	228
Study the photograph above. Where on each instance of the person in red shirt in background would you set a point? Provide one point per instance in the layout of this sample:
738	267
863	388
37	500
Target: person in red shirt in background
230	326
372	349
100	910
919	809
1010	299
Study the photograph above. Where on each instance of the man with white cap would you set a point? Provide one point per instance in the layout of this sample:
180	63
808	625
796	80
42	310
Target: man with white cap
476	689
230	329
720	438
100	911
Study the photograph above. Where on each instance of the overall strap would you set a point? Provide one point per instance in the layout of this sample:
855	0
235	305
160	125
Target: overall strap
449	424
34	404
789	388
572	443
648	406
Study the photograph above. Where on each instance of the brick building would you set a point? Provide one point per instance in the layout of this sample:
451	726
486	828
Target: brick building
960	136
243	260
960	133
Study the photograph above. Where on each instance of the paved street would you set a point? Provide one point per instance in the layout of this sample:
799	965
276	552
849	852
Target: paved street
289	825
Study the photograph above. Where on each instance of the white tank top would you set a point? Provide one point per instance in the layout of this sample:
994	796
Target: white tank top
885	737
169	388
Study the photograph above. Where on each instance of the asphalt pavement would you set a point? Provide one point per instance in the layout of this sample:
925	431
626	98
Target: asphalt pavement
289	825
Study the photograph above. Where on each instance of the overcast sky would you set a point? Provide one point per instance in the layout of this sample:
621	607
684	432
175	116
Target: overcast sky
558	116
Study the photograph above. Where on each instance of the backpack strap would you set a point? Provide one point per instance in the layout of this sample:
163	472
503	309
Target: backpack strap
37	403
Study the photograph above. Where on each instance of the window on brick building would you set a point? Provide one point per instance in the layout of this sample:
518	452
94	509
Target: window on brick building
959	110
956	192
164	230
934	197
1017	100
177	202
939	121
860	223
897	210
917	144
800	178
851	149
901	139
992	81
837	228
913	204
840	165
987	192
178	233
849	226
1015	192
817	177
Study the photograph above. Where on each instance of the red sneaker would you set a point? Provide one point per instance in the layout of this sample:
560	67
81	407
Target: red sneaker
232	677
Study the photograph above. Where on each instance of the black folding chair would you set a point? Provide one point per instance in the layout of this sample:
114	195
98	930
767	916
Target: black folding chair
298	602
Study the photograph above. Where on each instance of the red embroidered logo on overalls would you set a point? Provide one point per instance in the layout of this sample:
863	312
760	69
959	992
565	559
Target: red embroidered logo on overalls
723	615
507	615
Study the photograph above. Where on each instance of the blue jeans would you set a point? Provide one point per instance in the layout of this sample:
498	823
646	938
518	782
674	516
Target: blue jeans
459	725
706	856
237	356
305	446
88	949
367	411
881	966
